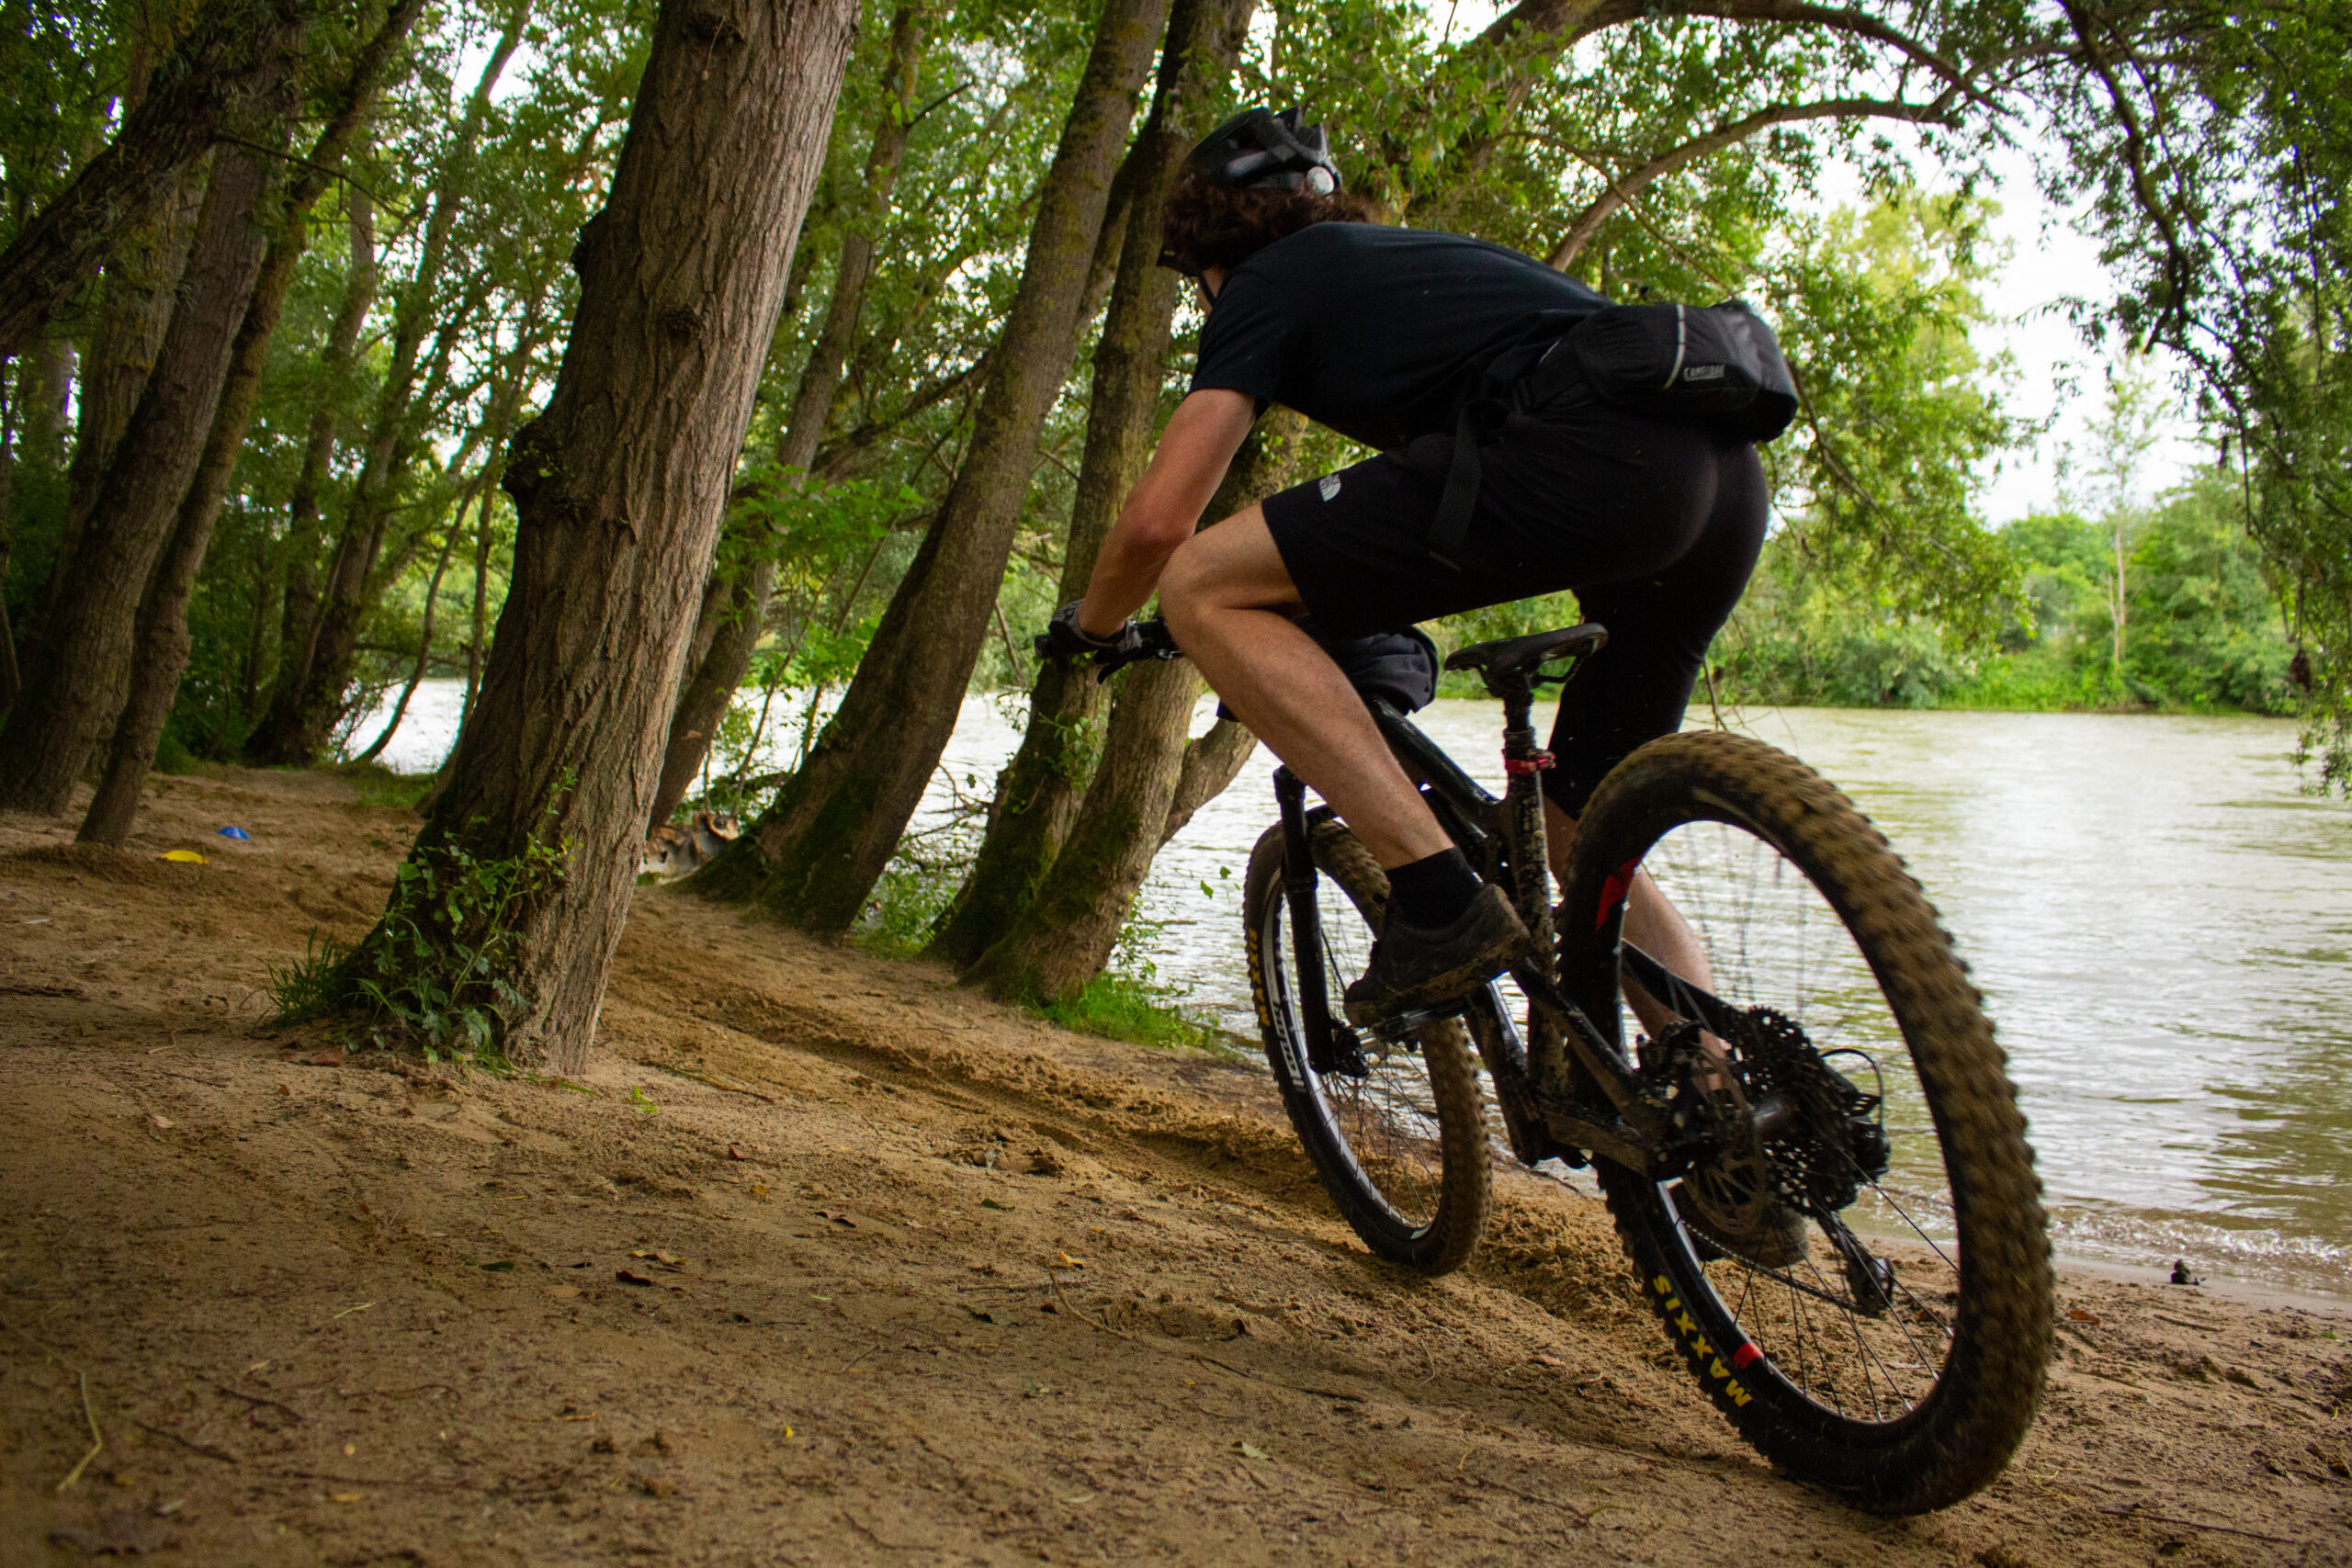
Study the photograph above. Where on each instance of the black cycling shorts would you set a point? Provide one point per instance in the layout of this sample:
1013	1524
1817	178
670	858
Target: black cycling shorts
1655	526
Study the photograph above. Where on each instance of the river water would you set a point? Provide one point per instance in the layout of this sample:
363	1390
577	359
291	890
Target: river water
2160	919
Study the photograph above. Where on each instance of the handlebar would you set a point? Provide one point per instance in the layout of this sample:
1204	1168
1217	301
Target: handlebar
1153	641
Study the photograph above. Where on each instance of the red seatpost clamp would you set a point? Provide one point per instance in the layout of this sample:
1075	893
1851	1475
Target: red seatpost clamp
1535	764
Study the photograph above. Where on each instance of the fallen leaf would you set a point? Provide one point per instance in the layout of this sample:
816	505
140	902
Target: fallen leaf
992	1203
1249	1450
627	1277
734	1151
328	1057
2079	1315
161	1124
1070	1262
1549	1361
282	1088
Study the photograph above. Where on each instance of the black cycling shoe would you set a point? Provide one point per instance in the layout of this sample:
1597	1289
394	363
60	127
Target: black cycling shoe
1414	969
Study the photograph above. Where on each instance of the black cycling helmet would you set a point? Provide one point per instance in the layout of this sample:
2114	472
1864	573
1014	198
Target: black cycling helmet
1259	149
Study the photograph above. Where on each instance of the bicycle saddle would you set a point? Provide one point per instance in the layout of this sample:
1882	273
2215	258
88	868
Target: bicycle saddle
1508	657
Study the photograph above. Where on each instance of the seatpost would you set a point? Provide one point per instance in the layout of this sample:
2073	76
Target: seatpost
1523	800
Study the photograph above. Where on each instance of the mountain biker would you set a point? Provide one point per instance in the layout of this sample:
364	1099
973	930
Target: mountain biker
1382	333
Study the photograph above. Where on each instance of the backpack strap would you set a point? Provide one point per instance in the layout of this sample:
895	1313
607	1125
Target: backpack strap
1480	417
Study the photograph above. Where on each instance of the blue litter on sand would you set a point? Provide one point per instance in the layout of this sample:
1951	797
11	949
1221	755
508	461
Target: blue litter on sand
236	833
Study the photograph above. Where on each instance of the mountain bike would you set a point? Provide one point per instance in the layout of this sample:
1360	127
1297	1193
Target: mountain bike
1837	1070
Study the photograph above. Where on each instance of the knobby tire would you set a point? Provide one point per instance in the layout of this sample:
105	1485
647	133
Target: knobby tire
1955	1440
1407	1222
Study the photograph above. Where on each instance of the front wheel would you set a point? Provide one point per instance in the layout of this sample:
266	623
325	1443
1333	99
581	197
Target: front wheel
1402	1147
1890	1339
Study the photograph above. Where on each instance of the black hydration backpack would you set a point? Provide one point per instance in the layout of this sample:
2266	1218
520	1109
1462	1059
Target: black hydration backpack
1717	366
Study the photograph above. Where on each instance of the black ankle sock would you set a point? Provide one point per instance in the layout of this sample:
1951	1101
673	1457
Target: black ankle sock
1434	891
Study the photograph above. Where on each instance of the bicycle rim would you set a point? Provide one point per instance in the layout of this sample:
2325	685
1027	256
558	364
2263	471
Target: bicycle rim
1899	1356
1394	1145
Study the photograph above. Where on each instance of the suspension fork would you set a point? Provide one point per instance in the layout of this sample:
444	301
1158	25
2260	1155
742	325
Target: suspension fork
1305	922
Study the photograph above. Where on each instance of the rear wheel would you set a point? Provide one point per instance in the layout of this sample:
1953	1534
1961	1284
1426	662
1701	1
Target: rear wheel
1401	1148
1898	1357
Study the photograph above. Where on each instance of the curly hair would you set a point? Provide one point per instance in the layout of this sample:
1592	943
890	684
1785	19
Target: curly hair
1205	225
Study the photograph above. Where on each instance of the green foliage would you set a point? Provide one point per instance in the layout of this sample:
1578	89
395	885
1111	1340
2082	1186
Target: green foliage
1117	1005
2201	625
436	972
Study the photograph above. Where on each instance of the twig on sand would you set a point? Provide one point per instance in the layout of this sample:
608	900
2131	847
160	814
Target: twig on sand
207	1450
292	1414
706	1078
97	1440
2134	1511
861	1528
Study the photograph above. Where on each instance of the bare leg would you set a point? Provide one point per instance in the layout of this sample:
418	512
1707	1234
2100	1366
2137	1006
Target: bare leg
1652	924
1231	603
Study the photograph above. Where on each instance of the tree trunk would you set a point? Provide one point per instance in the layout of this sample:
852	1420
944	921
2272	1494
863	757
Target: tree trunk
299	617
619	487
1038	791
222	81
1064	936
162	637
1211	764
141	280
308	700
76	694
820	847
734	615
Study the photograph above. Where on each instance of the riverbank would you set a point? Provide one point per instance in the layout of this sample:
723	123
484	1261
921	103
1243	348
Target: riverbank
824	1261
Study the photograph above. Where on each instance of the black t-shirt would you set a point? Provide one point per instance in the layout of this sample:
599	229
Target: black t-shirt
1379	332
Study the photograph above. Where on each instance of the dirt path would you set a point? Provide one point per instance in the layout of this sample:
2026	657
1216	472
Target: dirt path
825	1261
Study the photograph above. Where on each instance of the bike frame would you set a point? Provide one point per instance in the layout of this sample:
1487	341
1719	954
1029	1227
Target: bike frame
1572	1059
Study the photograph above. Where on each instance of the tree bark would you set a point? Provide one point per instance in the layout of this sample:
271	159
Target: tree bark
820	847
299	616
1065	935
619	487
734	615
308	700
222	81
162	637
1211	764
142	281
1037	794
78	691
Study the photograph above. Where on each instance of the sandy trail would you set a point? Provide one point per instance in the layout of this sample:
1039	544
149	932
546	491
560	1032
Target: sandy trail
827	1261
